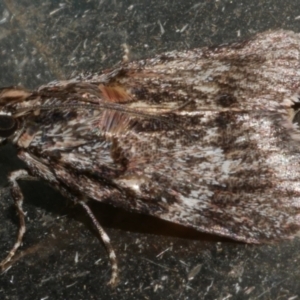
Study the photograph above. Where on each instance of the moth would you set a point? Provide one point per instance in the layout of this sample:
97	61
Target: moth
207	138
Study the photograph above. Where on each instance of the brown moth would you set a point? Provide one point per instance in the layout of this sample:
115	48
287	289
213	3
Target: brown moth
207	138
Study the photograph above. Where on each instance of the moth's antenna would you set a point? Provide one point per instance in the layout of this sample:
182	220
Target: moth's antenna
111	107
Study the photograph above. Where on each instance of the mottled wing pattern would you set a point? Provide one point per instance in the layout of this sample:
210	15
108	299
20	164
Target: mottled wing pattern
202	138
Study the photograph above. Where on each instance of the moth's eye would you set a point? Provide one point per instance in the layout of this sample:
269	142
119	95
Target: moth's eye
8	126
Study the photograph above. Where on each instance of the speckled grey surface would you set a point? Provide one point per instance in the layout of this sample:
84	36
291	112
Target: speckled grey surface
61	257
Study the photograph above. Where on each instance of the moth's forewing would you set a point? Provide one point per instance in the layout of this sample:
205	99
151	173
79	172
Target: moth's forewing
225	163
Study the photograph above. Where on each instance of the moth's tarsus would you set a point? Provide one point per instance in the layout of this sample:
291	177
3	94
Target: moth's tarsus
204	138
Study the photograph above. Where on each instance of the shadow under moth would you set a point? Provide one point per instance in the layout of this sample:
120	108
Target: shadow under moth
207	138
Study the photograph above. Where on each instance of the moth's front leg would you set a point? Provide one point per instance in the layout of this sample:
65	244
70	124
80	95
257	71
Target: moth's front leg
59	177
17	195
106	241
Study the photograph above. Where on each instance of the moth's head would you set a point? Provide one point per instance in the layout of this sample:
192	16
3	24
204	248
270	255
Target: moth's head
10	97
8	126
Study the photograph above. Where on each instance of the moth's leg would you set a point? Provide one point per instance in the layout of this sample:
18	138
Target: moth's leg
17	195
106	240
57	177
126	56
